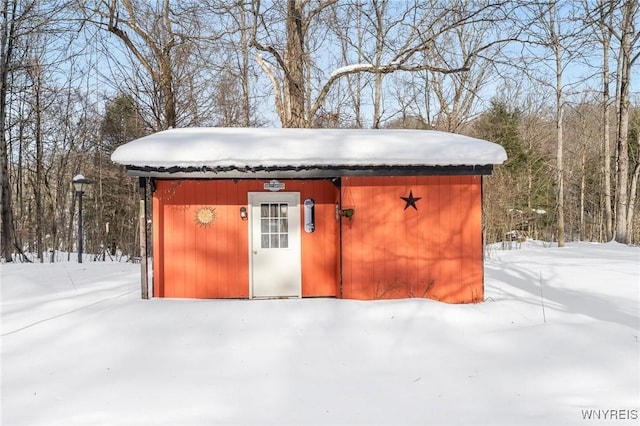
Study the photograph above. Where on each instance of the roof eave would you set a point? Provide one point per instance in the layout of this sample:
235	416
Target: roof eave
305	172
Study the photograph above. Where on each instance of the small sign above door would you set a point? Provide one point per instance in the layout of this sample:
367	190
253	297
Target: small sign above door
274	186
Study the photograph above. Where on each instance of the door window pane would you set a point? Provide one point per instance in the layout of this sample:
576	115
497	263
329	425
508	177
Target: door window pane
274	225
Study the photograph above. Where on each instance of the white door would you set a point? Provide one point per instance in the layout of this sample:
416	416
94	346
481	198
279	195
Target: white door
275	244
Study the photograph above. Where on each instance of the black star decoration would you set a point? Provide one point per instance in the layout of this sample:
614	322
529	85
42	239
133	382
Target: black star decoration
411	201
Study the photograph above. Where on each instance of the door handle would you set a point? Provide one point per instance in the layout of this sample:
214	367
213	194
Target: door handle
255	252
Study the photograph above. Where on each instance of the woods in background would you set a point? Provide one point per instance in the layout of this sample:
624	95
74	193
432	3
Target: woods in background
554	82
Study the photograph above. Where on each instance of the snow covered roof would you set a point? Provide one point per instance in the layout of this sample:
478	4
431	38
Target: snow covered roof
236	152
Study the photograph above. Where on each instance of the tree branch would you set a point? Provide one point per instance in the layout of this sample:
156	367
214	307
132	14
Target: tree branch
276	87
113	28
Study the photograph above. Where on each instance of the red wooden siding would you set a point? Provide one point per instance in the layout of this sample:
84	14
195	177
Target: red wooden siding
191	260
433	252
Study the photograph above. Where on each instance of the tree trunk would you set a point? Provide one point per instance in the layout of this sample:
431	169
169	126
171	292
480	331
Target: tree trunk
606	131
5	198
557	49
37	190
6	52
583	179
632	199
348	43
625	58
244	71
166	83
294	60
380	10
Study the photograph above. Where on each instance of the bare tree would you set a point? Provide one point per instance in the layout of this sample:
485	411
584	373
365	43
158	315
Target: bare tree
233	64
603	19
628	54
380	13
36	106
634	124
35	72
351	36
449	100
116	196
165	57
22	24
552	29
11	17
290	90
583	126
413	35
557	47
160	39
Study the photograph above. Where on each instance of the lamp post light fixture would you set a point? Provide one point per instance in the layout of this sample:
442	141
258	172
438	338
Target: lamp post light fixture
80	184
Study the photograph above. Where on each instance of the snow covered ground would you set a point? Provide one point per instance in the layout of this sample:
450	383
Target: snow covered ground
79	347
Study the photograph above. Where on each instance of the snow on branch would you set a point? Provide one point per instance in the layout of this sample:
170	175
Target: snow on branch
350	69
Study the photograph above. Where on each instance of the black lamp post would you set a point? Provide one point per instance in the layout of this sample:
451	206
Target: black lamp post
79	184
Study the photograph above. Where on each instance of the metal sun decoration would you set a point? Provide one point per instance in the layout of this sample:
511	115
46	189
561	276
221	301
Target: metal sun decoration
205	216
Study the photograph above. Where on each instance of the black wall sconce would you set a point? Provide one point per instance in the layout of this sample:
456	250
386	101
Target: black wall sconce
348	213
243	213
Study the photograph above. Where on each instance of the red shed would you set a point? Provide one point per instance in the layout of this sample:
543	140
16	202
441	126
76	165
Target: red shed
358	214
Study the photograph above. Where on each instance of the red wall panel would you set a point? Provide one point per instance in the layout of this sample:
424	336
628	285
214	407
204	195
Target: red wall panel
435	251
192	260
387	251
